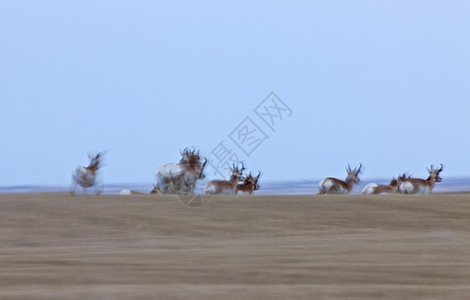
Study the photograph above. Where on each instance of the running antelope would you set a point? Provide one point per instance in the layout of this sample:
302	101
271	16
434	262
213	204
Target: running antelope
373	188
85	176
181	177
249	185
421	186
226	186
332	185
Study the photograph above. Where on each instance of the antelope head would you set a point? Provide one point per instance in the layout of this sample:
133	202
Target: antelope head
190	158
353	174
255	181
252	180
403	178
434	173
201	174
185	155
394	182
95	161
237	173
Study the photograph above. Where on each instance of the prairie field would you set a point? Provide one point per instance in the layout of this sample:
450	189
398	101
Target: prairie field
55	246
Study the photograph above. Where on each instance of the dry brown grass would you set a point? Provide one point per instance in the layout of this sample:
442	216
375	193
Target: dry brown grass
54	246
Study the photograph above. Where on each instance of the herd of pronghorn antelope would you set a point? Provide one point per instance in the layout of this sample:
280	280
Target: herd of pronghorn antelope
404	184
181	177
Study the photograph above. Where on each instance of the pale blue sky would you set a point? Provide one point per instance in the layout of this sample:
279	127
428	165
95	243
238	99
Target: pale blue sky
385	83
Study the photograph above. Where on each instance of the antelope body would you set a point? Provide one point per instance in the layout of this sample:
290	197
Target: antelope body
421	186
226	186
332	185
85	176
373	188
156	190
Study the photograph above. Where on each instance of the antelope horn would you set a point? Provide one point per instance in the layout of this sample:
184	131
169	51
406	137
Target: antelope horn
243	166
441	167
194	149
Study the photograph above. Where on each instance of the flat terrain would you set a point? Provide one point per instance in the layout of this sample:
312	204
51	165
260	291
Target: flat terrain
55	246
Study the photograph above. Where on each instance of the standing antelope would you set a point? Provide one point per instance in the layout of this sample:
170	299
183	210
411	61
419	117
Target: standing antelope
421	186
332	185
249	185
373	188
85	176
226	186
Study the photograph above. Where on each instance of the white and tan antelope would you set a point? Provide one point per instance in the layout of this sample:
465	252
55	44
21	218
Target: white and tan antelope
249	185
155	190
373	188
226	186
332	185
181	177
86	176
421	186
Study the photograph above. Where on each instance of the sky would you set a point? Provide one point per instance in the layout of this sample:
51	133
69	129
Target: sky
382	83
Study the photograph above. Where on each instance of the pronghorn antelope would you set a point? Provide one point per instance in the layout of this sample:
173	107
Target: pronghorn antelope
155	190
226	186
85	176
332	185
181	177
249	185
421	186
373	188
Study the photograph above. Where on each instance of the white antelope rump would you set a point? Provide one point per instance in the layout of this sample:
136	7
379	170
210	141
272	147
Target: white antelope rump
421	186
85	176
181	177
249	185
373	188
130	192
332	185
226	186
